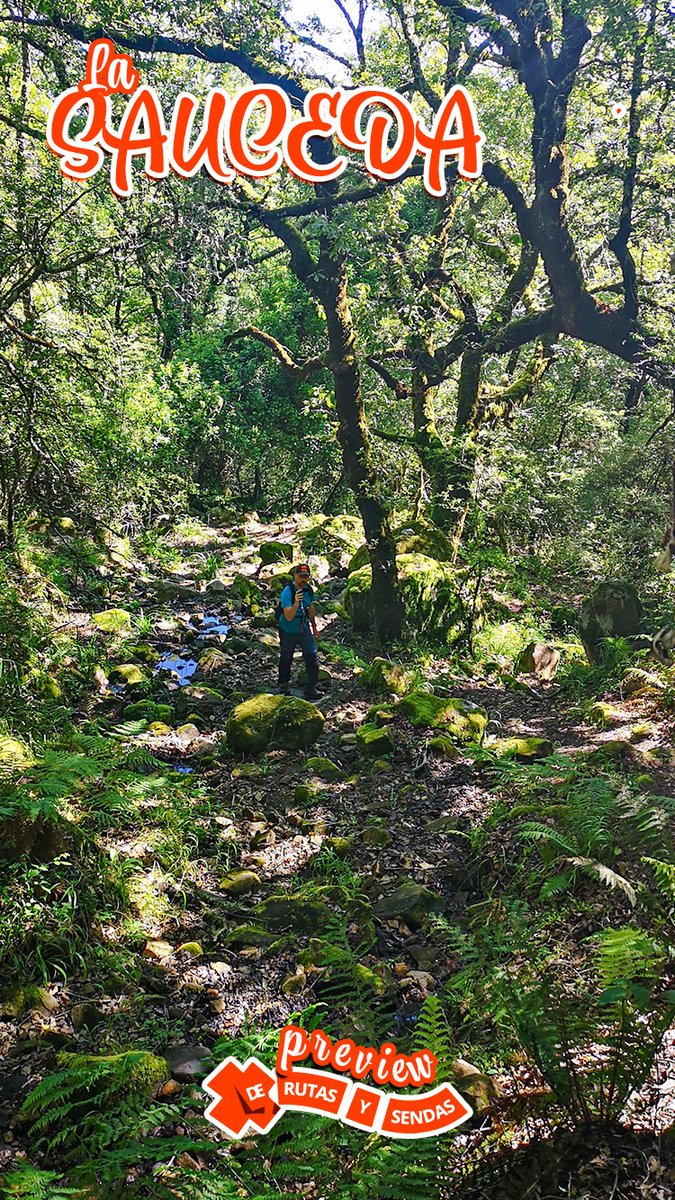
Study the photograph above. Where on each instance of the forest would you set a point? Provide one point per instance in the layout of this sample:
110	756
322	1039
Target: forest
447	393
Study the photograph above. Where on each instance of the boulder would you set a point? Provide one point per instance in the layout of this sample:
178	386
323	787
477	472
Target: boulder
128	675
430	591
335	538
112	620
274	552
410	903
324	768
522	749
143	652
604	715
417	537
538	659
239	882
612	610
386	678
273	722
245	593
294	913
374	740
188	1063
13	754
456	718
199	699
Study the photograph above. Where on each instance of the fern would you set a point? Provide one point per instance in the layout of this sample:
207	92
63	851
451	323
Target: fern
29	1183
627	954
665	876
432	1032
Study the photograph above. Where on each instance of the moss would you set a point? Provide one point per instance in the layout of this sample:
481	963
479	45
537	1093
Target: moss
273	552
129	675
430	592
273	722
294	912
324	768
411	903
13	753
384	678
113	620
239	882
374	741
335	538
245	591
417	537
604	715
523	749
248	935
455	717
444	746
199	699
147	709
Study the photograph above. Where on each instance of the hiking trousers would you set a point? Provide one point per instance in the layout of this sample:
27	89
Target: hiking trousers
289	642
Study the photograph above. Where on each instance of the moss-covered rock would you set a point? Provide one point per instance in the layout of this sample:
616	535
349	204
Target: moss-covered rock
324	768
417	537
147	709
386	678
248	935
410	903
159	729
273	722
129	675
444	746
144	653
375	834
430	592
245	592
199	699
612	610
335	538
374	740
523	749
239	882
13	754
112	620
273	552
604	715
457	719
294	913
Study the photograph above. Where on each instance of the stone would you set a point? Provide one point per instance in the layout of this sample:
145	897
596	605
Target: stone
249	935
325	769
273	722
248	771
604	715
538	659
444	747
159	729
188	1063
194	949
294	913
211	661
239	882
335	539
384	677
245	592
374	741
612	610
112	620
13	754
199	699
522	749
274	552
462	722
431	593
187	733
340	846
216	587
291	985
86	1016
417	537
166	590
145	653
375	835
411	903
128	675
157	949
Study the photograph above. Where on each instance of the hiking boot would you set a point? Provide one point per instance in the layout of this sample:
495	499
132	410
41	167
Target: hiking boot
314	695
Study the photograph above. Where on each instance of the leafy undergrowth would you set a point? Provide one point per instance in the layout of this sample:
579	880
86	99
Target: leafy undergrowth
539	972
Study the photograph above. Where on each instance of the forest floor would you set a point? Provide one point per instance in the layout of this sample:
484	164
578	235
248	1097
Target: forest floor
414	816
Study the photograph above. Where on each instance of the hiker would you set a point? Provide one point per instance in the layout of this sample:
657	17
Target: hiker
297	627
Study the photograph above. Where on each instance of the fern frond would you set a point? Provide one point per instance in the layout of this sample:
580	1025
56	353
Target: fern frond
609	877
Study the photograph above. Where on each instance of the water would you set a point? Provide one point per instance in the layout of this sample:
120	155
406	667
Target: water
181	669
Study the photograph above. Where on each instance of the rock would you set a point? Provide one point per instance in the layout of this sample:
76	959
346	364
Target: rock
86	1016
129	675
188	1063
411	903
187	733
157	949
293	984
13	754
145	653
192	948
273	722
112	620
380	714
418	537
375	835
294	913
237	645
385	677
612	610
169	1090
211	661
249	935
444	747
639	683
245	592
248	771
324	769
334	538
199	699
522	749
239	882
380	766
374	741
340	846
166	590
430	591
216	586
538	659
148	709
460	721
273	552
604	715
